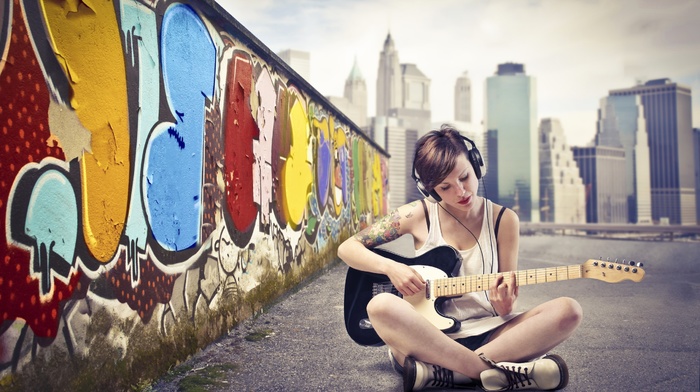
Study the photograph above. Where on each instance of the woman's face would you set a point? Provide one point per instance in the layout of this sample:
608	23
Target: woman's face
459	188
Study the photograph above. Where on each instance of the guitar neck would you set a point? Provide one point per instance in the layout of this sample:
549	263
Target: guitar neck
449	287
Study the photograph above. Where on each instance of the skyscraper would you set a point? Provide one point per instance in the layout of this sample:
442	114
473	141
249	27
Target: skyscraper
388	79
463	98
413	111
621	123
300	61
354	100
667	110
696	146
403	115
602	169
562	194
511	112
356	93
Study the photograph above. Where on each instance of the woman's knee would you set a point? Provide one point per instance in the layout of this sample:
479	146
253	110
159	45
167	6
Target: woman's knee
383	305
570	312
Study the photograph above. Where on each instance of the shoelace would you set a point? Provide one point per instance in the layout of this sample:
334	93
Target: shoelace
516	376
442	378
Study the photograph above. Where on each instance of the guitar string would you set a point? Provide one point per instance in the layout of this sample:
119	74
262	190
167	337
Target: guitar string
488	222
525	277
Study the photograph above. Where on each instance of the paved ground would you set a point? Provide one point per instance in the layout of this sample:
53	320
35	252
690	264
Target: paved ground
634	337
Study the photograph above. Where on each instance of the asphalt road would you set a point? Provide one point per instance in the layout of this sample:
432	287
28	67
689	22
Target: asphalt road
634	336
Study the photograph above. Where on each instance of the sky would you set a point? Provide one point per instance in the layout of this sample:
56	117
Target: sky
577	50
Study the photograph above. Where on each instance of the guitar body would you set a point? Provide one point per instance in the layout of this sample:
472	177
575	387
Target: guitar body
436	263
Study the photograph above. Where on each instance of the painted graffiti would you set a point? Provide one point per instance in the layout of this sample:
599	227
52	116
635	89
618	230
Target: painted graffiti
152	162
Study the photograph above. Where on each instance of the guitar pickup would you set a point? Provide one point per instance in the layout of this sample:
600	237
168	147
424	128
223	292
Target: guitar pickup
385	287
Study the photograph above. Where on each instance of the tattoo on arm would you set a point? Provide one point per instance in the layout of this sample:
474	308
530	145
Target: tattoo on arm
410	213
384	230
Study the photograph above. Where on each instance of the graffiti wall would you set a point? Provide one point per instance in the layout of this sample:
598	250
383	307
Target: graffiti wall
155	157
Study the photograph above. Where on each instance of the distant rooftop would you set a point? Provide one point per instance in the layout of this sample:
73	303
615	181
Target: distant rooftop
510	69
411	69
656	82
355	73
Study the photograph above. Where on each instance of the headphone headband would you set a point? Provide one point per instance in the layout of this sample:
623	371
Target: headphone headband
473	155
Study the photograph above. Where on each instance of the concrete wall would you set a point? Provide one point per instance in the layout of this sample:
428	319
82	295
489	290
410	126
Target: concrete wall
158	161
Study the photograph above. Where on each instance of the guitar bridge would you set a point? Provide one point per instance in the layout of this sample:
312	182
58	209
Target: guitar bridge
384	287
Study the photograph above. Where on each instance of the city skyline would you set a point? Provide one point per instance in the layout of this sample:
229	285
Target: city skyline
577	51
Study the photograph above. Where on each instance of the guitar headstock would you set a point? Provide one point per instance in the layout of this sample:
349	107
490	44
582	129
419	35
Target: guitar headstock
613	271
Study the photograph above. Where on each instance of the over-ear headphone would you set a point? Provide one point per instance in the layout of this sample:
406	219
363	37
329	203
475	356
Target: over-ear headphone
474	157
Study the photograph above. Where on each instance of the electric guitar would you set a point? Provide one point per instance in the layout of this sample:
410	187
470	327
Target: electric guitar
435	266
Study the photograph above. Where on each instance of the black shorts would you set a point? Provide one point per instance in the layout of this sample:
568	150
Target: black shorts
475	342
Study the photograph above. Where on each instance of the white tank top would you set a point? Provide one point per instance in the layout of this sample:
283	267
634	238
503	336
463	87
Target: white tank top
473	310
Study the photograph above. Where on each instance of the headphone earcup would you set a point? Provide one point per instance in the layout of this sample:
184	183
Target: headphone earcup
476	161
427	193
421	189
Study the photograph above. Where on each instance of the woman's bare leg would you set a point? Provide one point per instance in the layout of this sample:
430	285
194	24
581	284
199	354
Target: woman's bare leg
529	335
534	332
408	333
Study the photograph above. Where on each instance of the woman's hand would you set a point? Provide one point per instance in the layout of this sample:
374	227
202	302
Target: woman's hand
503	293
406	280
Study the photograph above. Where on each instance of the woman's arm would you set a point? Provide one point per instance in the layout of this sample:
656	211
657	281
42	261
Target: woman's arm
504	291
355	250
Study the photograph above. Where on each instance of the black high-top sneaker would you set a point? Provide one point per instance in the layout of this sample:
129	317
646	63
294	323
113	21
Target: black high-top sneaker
548	373
418	375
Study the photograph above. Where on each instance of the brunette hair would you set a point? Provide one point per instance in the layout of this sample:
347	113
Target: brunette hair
436	155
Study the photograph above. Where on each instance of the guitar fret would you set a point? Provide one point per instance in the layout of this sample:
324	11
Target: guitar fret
435	265
448	287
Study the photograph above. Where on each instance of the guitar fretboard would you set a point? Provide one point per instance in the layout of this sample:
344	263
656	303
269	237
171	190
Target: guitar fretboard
448	287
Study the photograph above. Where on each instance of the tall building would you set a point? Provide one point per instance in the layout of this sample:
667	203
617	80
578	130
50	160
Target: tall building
403	115
463	98
603	172
490	156
413	111
354	100
696	144
667	110
356	93
562	194
388	79
400	143
511	111
621	123
300	61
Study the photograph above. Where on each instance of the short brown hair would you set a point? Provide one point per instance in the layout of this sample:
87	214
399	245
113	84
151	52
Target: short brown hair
436	155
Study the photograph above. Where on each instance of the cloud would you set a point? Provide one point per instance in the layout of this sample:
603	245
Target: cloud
577	50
